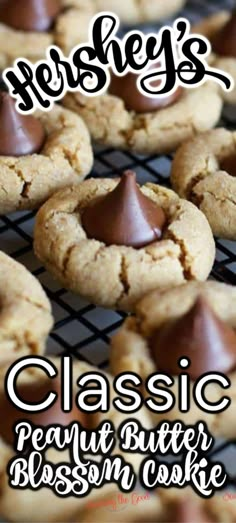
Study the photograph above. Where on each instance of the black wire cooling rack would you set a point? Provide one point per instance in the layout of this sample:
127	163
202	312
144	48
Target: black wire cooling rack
80	328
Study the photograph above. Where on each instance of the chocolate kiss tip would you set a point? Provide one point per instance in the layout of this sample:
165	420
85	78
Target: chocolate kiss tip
20	135
29	15
199	335
125	216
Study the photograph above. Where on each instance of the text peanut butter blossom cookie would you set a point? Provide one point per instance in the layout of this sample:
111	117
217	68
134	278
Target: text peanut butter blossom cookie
111	241
220	29
189	328
43	504
39	154
204	172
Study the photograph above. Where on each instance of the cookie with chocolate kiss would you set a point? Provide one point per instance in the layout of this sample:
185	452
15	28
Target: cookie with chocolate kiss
20	134
125	216
199	335
37	392
224	41
29	15
125	87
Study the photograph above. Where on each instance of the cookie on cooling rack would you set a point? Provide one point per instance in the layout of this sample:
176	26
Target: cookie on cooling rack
220	29
44	505
126	119
25	312
39	154
204	172
112	241
65	23
162	506
197	321
29	27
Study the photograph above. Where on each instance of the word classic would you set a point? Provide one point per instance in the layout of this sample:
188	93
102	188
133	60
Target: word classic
94	385
179	58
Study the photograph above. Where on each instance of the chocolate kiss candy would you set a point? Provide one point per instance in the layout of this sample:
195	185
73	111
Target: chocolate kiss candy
186	511
229	165
19	134
224	41
199	335
29	15
124	216
125	87
37	392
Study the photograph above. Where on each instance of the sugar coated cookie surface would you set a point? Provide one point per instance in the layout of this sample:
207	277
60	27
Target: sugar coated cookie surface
204	172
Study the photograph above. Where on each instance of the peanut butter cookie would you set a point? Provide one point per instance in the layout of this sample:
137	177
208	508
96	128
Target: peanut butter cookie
125	119
47	22
111	241
65	23
204	171
196	321
39	154
25	312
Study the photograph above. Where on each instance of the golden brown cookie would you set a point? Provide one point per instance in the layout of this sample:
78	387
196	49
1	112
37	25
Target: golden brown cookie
65	159
116	276
69	28
204	171
162	131
131	347
71	23
43	505
210	27
25	312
